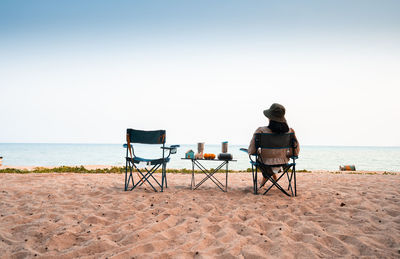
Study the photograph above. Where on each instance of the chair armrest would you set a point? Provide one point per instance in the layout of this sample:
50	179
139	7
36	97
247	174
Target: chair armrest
247	152
172	149
173	146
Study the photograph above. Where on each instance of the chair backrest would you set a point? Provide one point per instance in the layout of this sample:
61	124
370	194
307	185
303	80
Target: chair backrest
275	141
146	137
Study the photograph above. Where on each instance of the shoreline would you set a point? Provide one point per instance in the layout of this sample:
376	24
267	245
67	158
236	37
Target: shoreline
104	169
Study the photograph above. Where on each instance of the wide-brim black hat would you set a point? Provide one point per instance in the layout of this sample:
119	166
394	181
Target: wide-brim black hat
276	113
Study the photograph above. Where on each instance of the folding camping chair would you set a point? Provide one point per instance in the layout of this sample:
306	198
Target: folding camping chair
132	161
274	141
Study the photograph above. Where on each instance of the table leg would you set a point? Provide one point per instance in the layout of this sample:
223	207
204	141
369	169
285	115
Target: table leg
209	175
192	182
226	180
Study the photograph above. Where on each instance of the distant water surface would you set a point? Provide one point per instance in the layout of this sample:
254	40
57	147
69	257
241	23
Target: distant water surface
311	157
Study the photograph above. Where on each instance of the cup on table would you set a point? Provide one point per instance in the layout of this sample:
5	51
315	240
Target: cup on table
225	147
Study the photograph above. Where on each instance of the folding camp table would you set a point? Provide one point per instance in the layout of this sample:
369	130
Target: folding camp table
210	173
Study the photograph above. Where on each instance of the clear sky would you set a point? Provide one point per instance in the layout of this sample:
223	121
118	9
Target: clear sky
84	71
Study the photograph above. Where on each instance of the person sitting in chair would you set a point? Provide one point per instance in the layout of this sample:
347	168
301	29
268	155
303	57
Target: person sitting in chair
277	124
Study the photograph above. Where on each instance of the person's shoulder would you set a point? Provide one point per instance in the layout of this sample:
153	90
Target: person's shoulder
263	129
291	130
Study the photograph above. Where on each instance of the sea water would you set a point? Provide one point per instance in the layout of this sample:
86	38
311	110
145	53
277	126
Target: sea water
310	158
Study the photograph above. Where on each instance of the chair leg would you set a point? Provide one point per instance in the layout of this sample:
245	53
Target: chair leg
275	183
126	175
294	174
291	178
285	170
165	176
290	182
127	181
151	171
255	183
145	178
162	177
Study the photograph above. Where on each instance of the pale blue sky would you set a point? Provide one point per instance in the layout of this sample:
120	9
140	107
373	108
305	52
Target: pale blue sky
84	71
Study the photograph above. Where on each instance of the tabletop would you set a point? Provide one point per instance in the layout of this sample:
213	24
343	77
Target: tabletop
209	159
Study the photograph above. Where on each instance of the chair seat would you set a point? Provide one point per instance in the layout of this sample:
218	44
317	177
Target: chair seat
137	160
258	163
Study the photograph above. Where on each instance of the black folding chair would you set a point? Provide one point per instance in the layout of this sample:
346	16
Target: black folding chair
274	141
145	174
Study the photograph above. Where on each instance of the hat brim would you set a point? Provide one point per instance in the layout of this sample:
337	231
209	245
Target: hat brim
269	115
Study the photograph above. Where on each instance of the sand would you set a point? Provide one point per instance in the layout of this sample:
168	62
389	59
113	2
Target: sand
90	216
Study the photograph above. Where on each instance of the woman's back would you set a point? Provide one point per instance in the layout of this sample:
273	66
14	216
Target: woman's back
272	156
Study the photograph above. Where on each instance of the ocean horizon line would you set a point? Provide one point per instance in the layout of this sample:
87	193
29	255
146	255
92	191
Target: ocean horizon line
187	144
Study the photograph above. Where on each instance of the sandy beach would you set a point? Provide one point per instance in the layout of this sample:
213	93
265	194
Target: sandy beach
90	216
